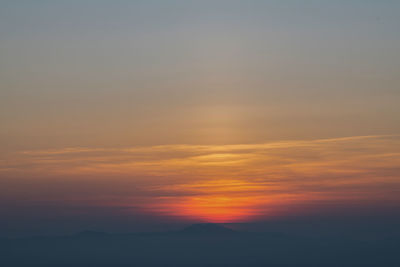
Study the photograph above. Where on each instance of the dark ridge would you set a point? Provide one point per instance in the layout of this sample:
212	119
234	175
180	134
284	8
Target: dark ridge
207	228
91	234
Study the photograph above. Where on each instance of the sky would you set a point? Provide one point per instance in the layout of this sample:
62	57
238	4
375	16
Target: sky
144	113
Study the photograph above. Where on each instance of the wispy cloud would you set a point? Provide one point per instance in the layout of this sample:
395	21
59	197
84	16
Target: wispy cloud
201	180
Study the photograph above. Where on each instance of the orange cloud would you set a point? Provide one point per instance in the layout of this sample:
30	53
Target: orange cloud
220	182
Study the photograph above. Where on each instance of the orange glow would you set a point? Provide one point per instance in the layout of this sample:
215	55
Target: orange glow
229	207
225	201
217	209
219	183
217	201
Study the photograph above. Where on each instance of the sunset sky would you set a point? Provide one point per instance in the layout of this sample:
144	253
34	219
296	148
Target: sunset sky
152	112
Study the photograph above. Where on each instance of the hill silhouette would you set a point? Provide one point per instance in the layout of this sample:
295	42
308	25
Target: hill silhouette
90	234
207	228
197	245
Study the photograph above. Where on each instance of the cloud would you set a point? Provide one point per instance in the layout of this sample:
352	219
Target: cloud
249	179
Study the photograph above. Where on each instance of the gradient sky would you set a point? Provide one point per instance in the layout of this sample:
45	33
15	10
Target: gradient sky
217	111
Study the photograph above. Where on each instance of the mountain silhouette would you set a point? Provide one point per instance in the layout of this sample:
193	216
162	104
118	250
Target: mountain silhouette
198	245
207	228
90	234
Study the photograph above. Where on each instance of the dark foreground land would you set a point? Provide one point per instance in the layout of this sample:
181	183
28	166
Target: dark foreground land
197	246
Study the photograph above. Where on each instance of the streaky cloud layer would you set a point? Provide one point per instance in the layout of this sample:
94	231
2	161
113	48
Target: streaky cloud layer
216	183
